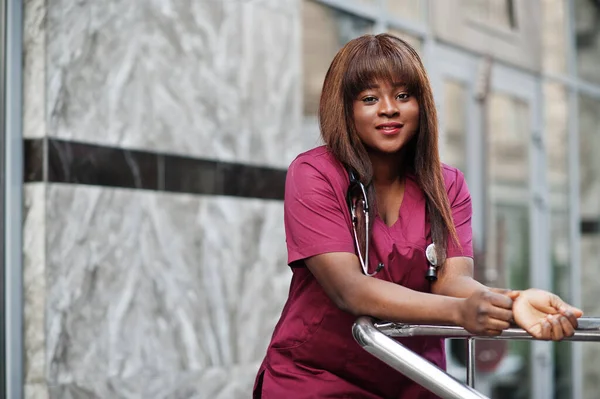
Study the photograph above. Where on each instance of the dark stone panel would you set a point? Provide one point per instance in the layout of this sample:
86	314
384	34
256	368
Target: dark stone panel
79	163
82	163
254	182
189	175
34	160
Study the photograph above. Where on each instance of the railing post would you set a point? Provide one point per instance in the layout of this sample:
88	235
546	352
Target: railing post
471	362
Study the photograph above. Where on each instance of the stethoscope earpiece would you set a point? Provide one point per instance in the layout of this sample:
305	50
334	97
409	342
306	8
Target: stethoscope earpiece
431	274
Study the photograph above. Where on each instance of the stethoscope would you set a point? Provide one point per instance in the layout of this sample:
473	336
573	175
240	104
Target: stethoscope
361	200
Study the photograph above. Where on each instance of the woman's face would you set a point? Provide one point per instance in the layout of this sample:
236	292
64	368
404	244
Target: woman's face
386	116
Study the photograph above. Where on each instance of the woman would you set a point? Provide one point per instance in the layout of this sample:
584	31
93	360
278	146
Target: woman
379	124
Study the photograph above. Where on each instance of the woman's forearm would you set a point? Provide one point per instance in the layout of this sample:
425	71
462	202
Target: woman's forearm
393	302
458	286
465	286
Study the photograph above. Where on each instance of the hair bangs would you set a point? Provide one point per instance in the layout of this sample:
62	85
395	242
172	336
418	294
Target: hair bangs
381	60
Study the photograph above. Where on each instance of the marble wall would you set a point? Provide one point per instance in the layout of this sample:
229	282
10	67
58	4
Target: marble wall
209	78
34	292
147	297
140	293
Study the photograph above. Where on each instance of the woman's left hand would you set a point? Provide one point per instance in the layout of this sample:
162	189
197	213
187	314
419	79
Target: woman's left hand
544	315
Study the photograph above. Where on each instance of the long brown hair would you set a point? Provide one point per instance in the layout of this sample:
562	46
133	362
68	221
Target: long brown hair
358	64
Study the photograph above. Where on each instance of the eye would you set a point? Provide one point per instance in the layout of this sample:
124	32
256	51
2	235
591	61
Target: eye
369	99
403	96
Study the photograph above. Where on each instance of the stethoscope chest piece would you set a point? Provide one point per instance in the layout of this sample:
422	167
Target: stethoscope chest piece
430	254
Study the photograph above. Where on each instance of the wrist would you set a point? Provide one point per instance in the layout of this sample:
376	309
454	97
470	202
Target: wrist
512	294
457	311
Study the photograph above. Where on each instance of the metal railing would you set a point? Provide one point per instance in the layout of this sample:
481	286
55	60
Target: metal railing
375	339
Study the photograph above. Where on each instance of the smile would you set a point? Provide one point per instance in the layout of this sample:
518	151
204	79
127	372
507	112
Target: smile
389	128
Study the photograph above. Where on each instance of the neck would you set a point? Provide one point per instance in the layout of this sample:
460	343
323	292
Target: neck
387	168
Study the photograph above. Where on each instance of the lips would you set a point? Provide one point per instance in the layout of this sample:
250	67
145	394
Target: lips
390	127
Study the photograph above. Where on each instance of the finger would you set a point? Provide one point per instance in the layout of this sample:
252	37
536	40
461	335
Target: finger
567	328
500	314
559	304
500	300
495	324
570	315
513	294
557	331
546	330
541	330
536	330
576	312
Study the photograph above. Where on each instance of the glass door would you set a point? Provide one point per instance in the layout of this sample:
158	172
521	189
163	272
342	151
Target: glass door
490	121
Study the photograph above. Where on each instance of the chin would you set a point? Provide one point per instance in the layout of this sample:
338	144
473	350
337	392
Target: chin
384	151
389	148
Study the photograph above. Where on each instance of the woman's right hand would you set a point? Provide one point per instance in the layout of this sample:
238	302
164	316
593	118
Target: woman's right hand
486	312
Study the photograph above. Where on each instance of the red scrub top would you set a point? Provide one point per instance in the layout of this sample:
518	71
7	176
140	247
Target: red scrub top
312	354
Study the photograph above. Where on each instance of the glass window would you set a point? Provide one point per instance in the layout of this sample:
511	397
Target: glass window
507	253
554	37
455	124
589	192
587	39
499	13
556	130
325	31
406	9
415	42
589	168
557	139
369	2
555	122
508	133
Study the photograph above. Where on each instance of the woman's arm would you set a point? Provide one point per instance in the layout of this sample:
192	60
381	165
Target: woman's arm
456	279
483	312
541	313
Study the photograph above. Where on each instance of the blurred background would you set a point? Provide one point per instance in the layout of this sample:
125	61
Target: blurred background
142	248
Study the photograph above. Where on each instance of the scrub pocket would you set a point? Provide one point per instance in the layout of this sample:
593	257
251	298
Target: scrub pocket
301	326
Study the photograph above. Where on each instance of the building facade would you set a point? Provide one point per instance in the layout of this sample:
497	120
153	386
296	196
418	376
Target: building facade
143	245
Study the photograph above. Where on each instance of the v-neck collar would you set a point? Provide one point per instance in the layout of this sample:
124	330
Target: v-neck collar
407	196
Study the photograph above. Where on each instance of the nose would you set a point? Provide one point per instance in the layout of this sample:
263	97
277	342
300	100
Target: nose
388	107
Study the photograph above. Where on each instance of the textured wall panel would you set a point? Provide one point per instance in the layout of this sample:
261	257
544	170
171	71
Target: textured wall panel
160	296
34	290
34	68
210	78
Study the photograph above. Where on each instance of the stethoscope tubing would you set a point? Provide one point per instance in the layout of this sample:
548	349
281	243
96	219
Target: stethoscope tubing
430	255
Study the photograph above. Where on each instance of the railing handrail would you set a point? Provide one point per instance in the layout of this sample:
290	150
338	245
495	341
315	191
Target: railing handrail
588	329
375	339
409	363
